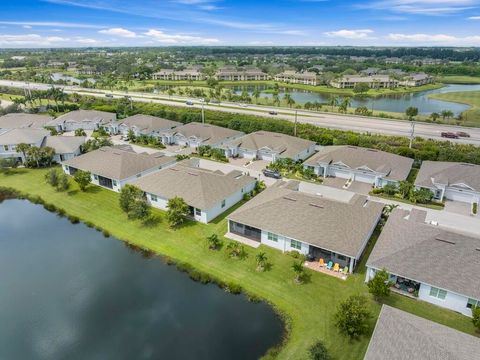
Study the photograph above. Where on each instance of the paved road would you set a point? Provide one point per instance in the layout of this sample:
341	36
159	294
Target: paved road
333	121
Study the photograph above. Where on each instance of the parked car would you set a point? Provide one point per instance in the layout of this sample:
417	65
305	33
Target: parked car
463	134
273	112
272	174
449	135
109	96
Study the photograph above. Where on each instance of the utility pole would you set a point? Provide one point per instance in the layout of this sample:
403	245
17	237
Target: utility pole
203	113
295	126
412	133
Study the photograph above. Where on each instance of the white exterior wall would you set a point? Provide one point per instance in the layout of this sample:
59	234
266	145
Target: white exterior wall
305	153
452	301
66	156
85	125
9	151
283	243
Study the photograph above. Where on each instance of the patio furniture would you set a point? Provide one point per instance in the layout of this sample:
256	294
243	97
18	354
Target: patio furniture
345	270
336	267
330	265
321	262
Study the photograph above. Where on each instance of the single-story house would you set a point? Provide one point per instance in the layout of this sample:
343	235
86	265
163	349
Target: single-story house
439	266
399	335
371	166
9	139
143	125
66	147
113	167
266	145
82	119
23	120
196	134
450	180
207	193
289	220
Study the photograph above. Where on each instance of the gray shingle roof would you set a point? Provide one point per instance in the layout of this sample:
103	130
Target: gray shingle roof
286	145
148	123
23	120
101	117
426	253
331	225
18	136
395	166
210	133
448	173
399	335
118	163
65	144
199	188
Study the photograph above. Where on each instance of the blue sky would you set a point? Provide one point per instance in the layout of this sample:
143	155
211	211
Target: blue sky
60	23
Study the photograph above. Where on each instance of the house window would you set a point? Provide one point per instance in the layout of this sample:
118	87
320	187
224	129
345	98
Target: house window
341	257
138	175
114	183
272	237
473	303
5	147
223	203
198	212
95	177
438	293
153	197
294	244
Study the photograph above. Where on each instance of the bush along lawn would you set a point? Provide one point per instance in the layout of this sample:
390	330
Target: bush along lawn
308	307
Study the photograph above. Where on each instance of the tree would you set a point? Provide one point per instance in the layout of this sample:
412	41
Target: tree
411	112
51	177
318	351
379	286
63	182
256	94
288	98
421	196
446	114
261	259
333	101
434	116
404	188
390	189
344	104
177	211
235	250
131	135
361	88
352	317
23	148
214	242
82	178
476	317
133	203
299	271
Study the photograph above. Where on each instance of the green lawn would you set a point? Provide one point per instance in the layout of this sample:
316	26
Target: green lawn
308	308
471	117
458	79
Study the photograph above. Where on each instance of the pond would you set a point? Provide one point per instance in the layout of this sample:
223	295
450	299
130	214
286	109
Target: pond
390	103
69	293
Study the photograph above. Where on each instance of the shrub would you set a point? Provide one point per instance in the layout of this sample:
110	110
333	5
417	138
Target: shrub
177	211
82	178
379	286
476	317
73	219
184	267
89	224
475	208
51	177
390	189
233	288
318	351
352	317
377	191
106	233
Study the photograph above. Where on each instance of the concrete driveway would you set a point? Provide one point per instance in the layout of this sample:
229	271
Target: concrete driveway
458	207
258	165
360	187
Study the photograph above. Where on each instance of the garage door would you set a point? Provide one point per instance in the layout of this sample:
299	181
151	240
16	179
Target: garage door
263	156
344	174
366	178
458	195
247	154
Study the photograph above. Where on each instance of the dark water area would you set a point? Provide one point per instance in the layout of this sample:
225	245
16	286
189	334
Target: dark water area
69	293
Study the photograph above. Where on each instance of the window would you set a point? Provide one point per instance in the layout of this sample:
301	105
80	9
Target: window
153	197
114	183
223	203
5	147
438	293
294	244
138	175
198	212
95	177
272	237
341	257
473	303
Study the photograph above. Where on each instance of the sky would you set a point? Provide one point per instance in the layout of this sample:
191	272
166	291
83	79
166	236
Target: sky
80	23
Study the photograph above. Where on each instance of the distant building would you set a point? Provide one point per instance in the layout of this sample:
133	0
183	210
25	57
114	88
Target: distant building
178	75
374	82
82	119
231	74
66	147
9	140
417	79
23	120
293	77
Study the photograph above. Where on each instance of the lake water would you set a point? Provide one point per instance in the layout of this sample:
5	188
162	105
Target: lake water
393	103
69	293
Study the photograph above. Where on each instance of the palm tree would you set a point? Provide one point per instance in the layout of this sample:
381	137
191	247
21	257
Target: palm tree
434	116
288	98
299	271
213	242
389	208
261	259
256	94
345	103
333	101
276	99
23	148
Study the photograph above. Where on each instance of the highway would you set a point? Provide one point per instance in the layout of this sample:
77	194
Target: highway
327	120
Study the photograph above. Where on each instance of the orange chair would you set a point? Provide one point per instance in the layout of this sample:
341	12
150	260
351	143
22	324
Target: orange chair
336	267
321	262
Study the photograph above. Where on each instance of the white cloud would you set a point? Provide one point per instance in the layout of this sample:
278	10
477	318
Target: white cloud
52	24
423	7
36	40
437	39
350	34
474	18
179	39
118	32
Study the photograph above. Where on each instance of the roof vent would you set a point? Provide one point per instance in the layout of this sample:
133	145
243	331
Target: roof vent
289	198
316	205
372	150
172	169
189	173
438	238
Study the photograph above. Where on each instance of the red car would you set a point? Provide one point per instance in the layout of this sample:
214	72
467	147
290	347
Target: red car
463	134
449	135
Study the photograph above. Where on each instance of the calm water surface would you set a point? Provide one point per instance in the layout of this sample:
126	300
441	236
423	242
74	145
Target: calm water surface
69	293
